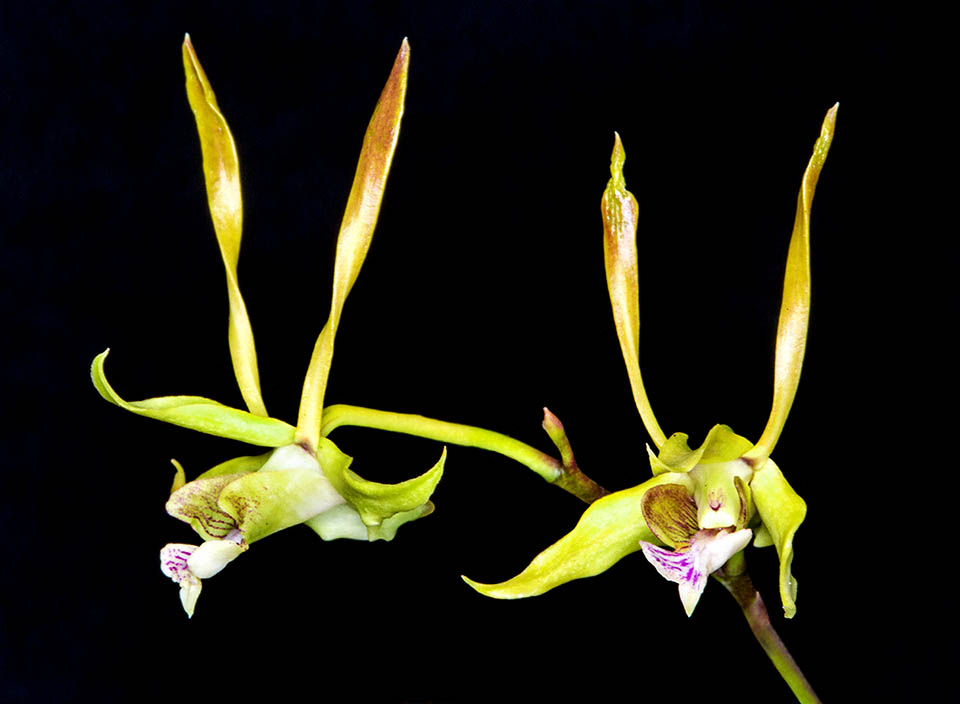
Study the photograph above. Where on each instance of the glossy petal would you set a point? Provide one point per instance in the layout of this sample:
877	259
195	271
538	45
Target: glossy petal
611	528
198	413
689	567
795	308
782	511
356	232
620	213
221	172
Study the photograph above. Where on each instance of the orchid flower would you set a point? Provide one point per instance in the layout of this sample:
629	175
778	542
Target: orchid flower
702	507
304	478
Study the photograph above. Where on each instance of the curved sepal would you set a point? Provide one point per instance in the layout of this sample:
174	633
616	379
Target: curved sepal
356	232
221	172
387	530
373	501
720	445
198	413
782	511
795	307
611	528
238	465
620	213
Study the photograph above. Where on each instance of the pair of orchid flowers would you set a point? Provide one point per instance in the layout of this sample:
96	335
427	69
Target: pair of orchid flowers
700	508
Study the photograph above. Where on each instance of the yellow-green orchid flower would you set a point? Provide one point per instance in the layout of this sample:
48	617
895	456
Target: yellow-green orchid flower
305	478
702	506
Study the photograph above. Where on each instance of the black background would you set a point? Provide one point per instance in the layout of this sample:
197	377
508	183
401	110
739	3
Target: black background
482	300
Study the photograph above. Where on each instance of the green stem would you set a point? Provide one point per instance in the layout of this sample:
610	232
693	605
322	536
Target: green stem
735	578
551	469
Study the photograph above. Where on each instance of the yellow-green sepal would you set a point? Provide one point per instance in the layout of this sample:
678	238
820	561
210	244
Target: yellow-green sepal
238	465
795	306
198	413
610	529
356	233
221	172
782	511
382	507
720	445
620	214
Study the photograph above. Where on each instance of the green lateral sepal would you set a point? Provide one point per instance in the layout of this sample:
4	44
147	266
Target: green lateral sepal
610	529
782	511
376	502
198	413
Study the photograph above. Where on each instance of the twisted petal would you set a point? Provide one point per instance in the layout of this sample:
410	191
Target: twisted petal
221	172
795	308
356	232
611	528
690	567
782	511
198	413
620	212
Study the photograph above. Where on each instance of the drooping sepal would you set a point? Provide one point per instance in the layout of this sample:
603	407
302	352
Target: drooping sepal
610	529
198	413
782	511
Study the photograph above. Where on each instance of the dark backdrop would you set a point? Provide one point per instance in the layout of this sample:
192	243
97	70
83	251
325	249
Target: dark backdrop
482	300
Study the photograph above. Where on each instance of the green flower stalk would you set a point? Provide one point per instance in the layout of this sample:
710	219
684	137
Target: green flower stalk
702	507
304	478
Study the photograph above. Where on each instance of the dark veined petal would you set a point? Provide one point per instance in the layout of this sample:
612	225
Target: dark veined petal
671	514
